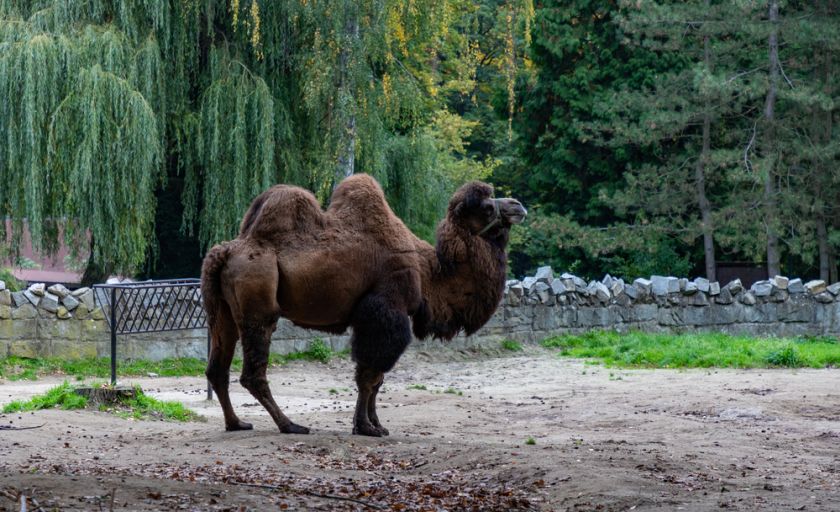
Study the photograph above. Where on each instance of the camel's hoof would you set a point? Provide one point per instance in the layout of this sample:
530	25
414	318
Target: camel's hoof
367	430
382	430
294	428
239	425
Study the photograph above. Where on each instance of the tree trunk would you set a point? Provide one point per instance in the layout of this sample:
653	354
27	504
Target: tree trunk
95	271
347	147
770	215
700	178
822	239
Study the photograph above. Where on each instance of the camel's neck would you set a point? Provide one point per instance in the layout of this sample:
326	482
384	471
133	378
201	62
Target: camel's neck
464	283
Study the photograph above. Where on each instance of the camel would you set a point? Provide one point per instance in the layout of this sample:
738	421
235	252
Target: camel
354	265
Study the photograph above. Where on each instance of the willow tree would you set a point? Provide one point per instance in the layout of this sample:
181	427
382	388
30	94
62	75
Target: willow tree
227	96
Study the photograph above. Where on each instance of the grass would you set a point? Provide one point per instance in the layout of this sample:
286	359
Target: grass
530	441
142	406
61	396
418	386
701	350
512	346
21	368
453	391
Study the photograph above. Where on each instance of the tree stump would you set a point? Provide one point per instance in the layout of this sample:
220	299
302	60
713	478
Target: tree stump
106	395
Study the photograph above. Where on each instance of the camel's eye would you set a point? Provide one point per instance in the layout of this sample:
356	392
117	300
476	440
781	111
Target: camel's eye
487	207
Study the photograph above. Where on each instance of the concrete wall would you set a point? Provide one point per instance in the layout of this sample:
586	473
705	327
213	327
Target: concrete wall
533	309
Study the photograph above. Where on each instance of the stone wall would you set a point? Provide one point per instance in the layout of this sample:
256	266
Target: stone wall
53	321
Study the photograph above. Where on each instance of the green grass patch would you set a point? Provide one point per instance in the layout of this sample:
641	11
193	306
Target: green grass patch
512	346
421	387
699	350
144	407
61	396
530	441
22	368
453	391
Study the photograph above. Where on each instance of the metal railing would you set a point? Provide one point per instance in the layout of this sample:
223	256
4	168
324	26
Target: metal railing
151	306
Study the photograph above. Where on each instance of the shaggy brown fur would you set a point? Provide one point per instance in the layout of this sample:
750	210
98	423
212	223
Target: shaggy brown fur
355	264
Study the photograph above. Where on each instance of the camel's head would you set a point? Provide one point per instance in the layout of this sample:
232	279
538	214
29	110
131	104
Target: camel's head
474	208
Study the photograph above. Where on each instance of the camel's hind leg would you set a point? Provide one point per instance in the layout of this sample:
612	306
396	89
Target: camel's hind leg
223	343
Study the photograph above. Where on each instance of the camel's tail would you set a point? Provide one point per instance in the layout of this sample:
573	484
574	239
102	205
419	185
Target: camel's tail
211	289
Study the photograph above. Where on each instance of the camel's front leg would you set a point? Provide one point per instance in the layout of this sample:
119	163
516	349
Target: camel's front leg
366	380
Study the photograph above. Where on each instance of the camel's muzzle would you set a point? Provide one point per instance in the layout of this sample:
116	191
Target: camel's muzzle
512	210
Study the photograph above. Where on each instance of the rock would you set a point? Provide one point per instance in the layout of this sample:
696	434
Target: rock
824	297
699	299
617	288
2	285
513	300
599	291
60	290
62	313
5	311
557	287
834	289
38	289
82	312
796	286
70	302
661	286
748	298
528	284
724	296
19	299
643	285
702	284
683	282
86	298
714	288
544	274
780	282
24	312
815	287
735	287
762	288
607	280
690	288
517	290
5	298
97	314
49	302
631	291
31	297
78	292
543	292
779	295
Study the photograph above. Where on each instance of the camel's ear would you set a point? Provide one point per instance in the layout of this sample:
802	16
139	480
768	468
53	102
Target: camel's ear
469	199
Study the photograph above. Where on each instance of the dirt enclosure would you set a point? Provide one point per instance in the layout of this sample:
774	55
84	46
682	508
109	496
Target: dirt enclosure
602	440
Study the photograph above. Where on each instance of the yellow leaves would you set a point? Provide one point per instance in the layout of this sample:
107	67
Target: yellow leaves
253	24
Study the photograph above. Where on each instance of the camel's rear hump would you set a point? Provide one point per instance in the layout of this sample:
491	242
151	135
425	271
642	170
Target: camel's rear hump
281	214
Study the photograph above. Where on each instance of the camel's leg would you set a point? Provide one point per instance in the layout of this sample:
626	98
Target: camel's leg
366	380
223	343
255	344
374	419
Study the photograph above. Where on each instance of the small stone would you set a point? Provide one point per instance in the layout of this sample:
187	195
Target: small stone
702	284
38	289
78	292
517	290
87	299
824	297
607	280
82	312
690	288
62	313
748	299
642	284
59	289
599	291
5	298
2	285
5	312
542	291
97	314
49	302
762	288
779	295
683	282
815	287
631	291
544	274
70	302
617	288
780	282
662	286
514	300
699	299
31	297
796	286
724	296
557	287
834	289
19	299
735	287
24	312
528	284
714	288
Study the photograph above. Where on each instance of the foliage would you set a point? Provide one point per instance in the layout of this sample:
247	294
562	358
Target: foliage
530	441
701	350
63	397
144	407
512	346
11	281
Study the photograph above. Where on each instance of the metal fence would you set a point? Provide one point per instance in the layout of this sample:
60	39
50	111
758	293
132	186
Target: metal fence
151	306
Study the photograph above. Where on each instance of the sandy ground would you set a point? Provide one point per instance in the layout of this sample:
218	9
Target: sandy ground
605	440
